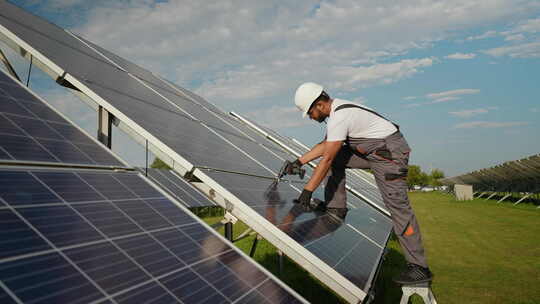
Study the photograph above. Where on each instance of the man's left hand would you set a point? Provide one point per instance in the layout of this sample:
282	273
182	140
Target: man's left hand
305	199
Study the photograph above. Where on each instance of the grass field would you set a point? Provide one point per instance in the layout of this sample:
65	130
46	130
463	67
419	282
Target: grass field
479	251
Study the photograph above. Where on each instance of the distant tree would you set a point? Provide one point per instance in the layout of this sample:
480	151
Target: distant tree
435	176
159	164
416	177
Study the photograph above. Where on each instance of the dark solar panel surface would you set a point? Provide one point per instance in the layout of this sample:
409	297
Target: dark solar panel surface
31	131
178	187
352	247
80	236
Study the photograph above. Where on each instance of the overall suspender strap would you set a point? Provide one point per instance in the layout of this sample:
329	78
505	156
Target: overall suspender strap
345	106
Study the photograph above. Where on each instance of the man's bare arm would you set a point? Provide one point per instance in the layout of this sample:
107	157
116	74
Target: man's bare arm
329	151
314	153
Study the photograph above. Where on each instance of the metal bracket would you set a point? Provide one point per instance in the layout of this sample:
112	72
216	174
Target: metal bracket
422	289
228	220
104	133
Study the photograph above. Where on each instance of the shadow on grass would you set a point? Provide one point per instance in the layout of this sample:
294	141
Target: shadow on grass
386	291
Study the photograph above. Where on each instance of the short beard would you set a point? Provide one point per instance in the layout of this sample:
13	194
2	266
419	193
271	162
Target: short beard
321	119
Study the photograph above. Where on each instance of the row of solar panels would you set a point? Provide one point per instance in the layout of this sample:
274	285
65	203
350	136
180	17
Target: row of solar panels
70	233
521	175
230	157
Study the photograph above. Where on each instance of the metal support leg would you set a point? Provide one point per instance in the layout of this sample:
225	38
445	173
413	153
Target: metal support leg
481	194
229	231
280	260
521	199
503	198
8	65
104	127
254	245
423	290
491	195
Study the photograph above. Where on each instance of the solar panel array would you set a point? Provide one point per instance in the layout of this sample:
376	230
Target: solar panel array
84	235
228	156
32	131
521	175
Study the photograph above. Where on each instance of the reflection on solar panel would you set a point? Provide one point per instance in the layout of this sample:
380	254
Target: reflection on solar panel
32	131
83	236
180	189
223	153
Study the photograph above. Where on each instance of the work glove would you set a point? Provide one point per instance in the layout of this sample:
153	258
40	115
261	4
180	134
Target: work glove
293	167
305	200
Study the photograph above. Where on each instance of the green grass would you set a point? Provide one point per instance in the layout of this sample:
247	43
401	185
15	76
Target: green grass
479	251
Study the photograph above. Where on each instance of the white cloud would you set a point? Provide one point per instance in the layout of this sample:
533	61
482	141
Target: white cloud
525	50
452	93
516	37
488	34
409	97
461	56
261	50
535	110
444	99
278	117
488	124
528	26
469	113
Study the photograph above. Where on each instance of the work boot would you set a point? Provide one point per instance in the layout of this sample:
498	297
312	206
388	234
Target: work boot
414	274
337	213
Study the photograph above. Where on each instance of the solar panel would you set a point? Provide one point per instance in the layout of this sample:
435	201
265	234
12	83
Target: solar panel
195	135
176	186
32	131
119	240
359	182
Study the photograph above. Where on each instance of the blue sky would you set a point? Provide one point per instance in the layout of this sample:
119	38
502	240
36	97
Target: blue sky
461	78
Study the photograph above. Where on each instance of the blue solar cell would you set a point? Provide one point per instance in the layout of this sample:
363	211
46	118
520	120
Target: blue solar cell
42	111
10	106
170	211
276	294
179	188
65	151
150	254
23	148
47	278
16	237
243	269
98	154
222	278
149	293
5	298
142	214
69	186
34	127
208	241
111	269
4	155
8	127
139	186
181	245
189	287
105	184
60	225
71	134
107	219
21	188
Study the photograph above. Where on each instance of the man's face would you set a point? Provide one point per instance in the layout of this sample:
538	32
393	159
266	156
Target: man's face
315	113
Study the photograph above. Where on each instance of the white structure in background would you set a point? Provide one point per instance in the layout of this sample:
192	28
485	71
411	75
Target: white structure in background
463	192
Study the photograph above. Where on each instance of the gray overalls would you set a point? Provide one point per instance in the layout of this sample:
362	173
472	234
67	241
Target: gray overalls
388	158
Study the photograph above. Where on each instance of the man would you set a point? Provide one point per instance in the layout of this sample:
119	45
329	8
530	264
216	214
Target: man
358	137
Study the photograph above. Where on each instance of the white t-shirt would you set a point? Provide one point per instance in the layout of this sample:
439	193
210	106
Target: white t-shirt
355	123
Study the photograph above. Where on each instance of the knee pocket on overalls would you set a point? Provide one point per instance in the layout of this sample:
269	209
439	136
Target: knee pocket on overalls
401	174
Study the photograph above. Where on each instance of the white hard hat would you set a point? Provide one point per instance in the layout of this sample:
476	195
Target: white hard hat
306	95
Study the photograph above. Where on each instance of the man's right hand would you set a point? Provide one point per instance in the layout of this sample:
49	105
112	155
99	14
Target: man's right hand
292	168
